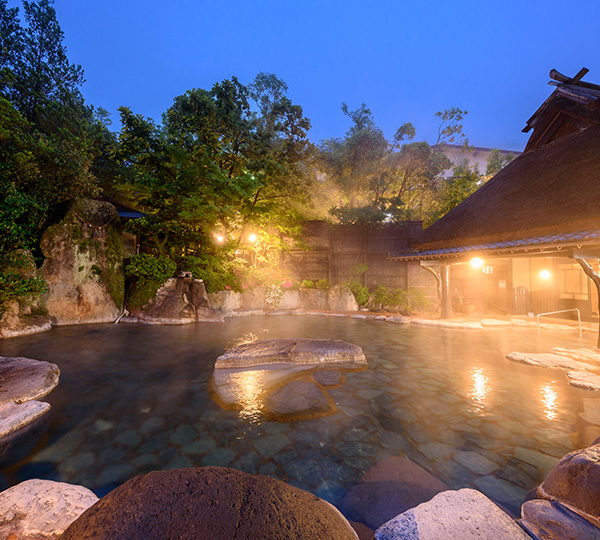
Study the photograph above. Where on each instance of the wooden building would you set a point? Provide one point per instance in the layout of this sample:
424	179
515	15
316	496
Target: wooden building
527	226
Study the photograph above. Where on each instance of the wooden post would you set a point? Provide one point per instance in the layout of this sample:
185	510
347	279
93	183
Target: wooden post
446	303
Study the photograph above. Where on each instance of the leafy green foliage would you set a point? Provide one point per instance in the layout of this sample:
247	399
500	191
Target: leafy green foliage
218	272
147	273
322	284
215	165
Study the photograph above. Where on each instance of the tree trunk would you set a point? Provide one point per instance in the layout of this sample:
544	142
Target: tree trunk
595	278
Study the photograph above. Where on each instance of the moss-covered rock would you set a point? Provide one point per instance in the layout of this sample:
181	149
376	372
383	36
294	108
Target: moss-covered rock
84	264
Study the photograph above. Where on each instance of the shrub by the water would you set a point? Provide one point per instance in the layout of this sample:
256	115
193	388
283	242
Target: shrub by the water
147	273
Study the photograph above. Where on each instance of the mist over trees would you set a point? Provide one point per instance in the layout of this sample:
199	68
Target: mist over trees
223	162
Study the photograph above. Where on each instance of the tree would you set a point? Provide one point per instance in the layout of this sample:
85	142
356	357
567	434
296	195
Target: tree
37	59
215	164
497	162
381	180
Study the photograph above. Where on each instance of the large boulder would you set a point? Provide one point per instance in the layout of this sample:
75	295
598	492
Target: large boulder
209	502
575	481
393	486
312	299
84	265
549	520
179	301
41	509
340	298
316	352
465	514
225	300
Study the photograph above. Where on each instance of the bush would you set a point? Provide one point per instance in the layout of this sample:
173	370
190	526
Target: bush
217	273
148	273
307	284
322	284
361	293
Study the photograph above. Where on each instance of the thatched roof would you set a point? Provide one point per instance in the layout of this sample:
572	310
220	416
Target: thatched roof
553	190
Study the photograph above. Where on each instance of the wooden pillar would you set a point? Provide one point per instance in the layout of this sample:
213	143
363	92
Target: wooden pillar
446	303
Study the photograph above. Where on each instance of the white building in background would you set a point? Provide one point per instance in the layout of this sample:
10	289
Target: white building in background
476	155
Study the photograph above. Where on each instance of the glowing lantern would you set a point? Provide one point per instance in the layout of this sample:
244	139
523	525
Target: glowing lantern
476	262
252	238
545	274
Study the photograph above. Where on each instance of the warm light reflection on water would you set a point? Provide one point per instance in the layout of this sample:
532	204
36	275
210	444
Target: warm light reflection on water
480	388
549	400
248	388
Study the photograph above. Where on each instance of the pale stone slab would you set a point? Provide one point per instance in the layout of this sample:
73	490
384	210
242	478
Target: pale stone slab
15	416
25	379
465	514
548	360
42	509
584	380
589	356
292	351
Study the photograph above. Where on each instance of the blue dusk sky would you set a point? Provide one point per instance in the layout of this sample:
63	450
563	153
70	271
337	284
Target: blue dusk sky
404	59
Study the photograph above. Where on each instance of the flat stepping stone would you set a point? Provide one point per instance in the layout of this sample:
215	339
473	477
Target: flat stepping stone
589	356
584	380
209	502
550	519
42	508
548	360
465	514
15	416
292	351
25	379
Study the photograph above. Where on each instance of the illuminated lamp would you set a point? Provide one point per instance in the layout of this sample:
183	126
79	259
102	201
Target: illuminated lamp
476	262
545	274
252	238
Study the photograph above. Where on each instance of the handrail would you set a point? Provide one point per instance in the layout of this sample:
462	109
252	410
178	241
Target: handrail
561	311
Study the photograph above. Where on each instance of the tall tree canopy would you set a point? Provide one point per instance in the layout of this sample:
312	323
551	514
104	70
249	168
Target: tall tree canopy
381	180
216	164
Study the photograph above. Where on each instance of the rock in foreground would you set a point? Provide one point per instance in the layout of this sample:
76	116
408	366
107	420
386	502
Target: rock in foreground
292	351
41	509
209	502
550	520
465	514
575	481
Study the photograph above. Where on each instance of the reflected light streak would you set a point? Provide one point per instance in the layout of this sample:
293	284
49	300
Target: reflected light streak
481	387
549	400
248	389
